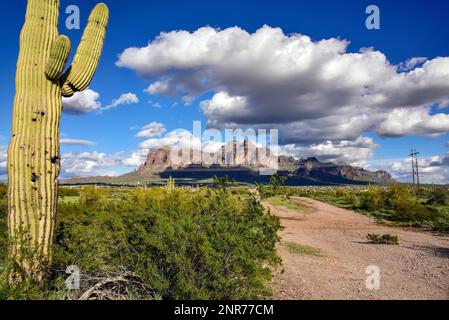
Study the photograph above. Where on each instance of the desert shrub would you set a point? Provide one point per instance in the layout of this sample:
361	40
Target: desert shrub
68	192
26	290
264	191
276	182
373	199
406	207
242	191
438	195
397	194
3	190
383	239
398	203
341	192
91	196
351	199
209	244
348	196
406	210
223	183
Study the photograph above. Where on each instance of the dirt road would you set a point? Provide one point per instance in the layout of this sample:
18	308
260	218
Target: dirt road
418	268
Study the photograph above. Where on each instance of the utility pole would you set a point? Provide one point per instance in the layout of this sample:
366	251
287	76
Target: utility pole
413	166
415	170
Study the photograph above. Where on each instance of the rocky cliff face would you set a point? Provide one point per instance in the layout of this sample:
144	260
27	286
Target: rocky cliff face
243	154
156	161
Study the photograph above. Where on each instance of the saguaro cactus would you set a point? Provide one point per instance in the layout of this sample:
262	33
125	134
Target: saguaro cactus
170	186
33	153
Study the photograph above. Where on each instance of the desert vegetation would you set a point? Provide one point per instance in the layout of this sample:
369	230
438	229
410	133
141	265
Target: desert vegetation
155	243
399	204
193	243
383	239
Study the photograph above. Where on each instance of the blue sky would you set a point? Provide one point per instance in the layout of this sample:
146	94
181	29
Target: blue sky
408	29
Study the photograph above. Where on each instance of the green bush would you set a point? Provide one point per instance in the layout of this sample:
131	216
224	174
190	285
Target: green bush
94	196
406	207
439	196
399	202
383	239
68	192
406	210
277	181
264	191
341	192
207	244
373	199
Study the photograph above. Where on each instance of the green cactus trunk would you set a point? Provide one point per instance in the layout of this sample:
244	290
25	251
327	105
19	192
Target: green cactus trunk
33	153
170	186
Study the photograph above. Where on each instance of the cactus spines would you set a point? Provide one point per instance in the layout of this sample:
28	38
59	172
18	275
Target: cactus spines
33	152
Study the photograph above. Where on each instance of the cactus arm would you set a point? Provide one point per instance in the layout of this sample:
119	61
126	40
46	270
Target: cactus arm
84	65
59	53
67	90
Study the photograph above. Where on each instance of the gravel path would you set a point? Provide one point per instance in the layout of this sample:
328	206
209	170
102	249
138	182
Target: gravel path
418	268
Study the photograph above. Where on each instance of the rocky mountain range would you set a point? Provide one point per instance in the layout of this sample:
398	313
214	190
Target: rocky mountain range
239	161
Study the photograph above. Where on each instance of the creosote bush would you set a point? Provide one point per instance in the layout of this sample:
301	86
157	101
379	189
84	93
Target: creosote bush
383	239
68	192
401	203
438	196
207	244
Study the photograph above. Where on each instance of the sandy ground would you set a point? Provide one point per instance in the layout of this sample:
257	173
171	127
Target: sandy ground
416	269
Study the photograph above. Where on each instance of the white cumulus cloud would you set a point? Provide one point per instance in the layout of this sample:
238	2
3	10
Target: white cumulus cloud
313	91
88	163
411	63
417	121
356	153
81	102
174	138
124	99
153	129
